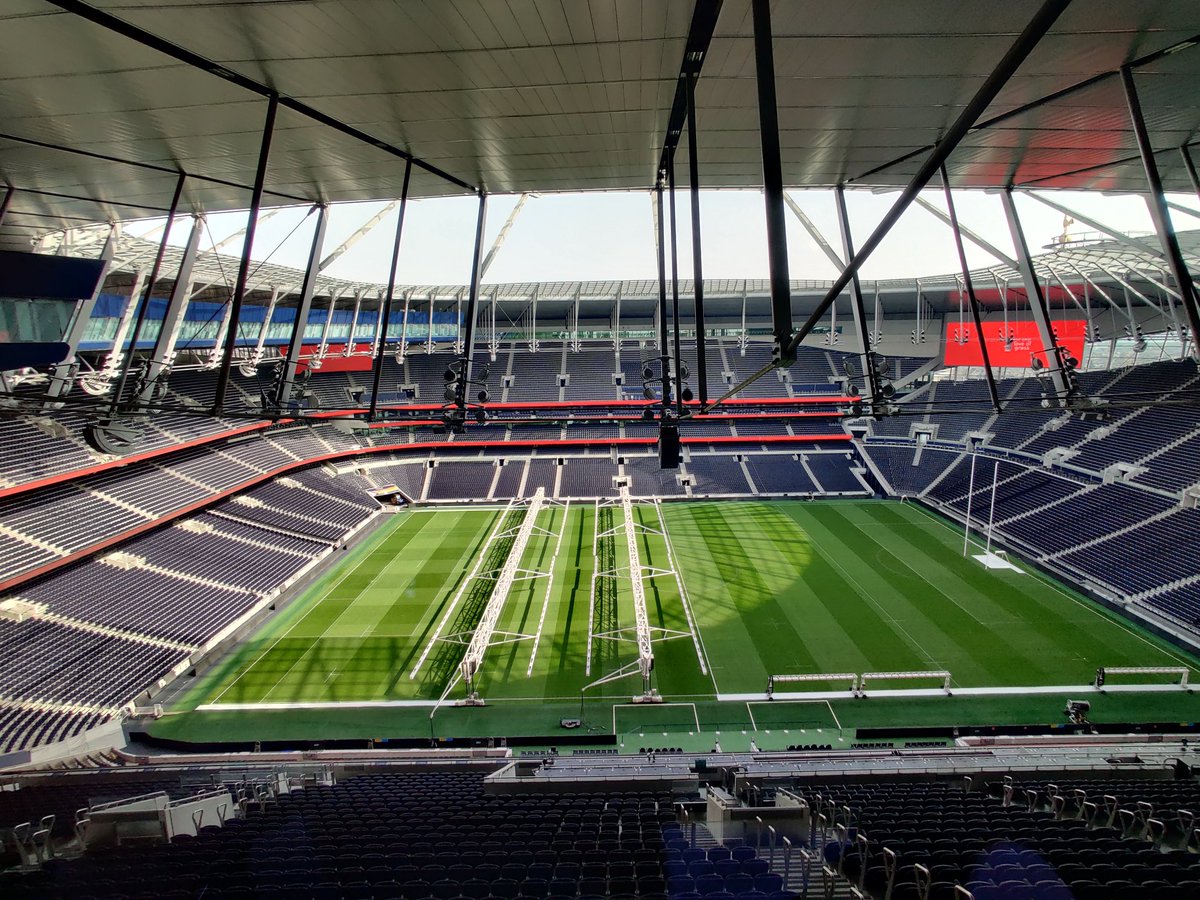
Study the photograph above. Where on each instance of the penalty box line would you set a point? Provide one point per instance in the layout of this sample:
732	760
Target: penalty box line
616	706
752	703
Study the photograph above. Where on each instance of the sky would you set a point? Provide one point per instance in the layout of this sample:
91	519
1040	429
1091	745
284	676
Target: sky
602	236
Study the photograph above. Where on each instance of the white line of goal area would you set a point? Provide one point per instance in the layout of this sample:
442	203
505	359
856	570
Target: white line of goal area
616	706
792	702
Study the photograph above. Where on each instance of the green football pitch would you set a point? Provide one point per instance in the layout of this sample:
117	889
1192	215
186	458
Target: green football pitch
764	589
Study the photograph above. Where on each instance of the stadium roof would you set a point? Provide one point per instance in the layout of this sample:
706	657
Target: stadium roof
1092	255
559	95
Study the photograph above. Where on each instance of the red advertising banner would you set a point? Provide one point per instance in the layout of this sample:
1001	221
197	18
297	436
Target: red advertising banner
335	361
1010	346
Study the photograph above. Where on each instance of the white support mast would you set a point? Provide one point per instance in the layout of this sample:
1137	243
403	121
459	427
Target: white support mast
641	621
361	232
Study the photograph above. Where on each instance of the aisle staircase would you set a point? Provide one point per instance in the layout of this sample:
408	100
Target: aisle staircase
800	865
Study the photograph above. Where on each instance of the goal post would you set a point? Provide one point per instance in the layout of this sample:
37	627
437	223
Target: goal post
828	678
943	676
1141	675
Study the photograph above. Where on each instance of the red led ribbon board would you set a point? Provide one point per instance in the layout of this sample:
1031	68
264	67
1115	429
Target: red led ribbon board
962	342
335	361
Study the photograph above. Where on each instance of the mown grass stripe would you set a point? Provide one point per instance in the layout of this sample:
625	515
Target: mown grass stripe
1036	620
751	624
905	599
844	631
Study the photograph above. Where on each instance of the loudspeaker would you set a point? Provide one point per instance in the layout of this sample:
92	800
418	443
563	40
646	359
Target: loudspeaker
668	447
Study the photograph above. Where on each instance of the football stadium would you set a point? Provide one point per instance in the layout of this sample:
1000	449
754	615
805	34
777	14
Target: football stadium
811	578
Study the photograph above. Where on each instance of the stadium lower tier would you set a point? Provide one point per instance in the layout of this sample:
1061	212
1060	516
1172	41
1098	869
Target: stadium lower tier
90	639
577	828
108	629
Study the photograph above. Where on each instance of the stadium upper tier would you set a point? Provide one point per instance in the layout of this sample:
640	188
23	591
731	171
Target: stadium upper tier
107	101
1107	280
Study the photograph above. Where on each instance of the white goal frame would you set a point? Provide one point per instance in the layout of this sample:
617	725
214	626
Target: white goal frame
773	680
944	675
1181	671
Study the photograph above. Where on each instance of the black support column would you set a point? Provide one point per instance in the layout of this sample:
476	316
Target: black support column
465	374
663	330
1156	203
969	285
697	251
772	166
675	288
243	275
386	310
291	362
151	284
866	359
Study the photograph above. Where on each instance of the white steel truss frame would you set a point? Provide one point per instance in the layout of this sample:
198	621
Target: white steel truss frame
642	633
484	634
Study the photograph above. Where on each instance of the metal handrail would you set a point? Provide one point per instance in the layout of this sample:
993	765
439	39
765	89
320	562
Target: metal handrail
864	850
192	798
111	804
806	859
